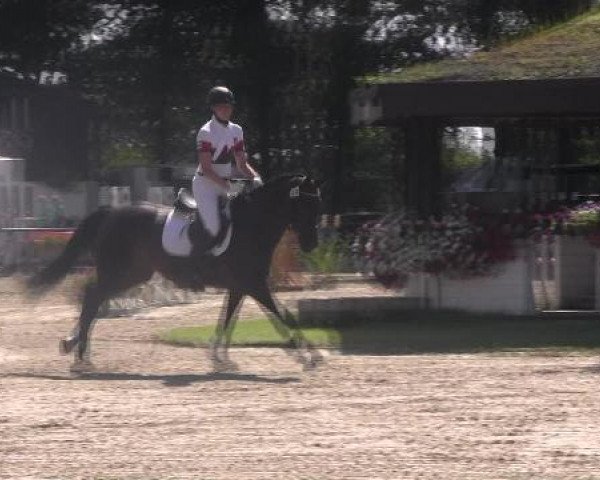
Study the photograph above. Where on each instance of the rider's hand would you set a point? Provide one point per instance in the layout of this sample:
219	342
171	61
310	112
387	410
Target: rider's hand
257	182
231	194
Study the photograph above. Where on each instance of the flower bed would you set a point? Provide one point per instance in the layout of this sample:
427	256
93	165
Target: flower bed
463	243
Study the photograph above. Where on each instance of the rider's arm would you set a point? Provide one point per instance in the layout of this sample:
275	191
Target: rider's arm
205	161
241	158
241	161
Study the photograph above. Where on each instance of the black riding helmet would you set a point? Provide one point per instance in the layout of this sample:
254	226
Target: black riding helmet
218	95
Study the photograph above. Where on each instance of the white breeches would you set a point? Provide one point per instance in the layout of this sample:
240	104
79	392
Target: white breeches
206	194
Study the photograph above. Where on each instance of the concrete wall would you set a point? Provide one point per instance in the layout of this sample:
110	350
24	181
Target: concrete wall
575	273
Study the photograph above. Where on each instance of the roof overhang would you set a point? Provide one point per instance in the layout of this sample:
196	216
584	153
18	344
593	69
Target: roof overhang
472	101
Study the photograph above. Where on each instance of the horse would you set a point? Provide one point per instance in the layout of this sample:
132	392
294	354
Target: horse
126	244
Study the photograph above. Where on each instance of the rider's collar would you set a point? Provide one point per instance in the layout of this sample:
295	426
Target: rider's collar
224	123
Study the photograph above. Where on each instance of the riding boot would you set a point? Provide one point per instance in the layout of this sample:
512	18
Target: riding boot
200	260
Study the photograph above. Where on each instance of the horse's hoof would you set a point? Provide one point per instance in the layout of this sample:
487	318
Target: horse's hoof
225	366
310	365
313	361
65	347
82	366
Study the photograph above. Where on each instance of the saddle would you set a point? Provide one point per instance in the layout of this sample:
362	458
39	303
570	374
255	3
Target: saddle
202	242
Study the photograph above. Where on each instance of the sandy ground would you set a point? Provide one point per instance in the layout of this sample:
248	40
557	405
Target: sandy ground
153	411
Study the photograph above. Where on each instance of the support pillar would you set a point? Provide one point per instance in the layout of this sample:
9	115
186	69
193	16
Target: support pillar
423	165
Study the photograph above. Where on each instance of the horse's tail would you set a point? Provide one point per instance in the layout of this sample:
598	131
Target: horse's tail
80	242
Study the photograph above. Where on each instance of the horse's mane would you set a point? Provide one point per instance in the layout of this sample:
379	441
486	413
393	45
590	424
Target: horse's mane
269	192
285	177
279	181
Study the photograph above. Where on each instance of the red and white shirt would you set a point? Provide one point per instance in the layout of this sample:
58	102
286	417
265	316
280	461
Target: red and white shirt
221	141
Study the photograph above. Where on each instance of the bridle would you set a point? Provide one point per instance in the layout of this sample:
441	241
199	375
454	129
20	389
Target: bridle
295	192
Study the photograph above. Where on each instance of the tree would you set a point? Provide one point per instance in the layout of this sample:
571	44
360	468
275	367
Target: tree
147	65
37	35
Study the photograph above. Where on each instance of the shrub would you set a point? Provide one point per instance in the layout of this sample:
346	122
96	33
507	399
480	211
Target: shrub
584	219
327	258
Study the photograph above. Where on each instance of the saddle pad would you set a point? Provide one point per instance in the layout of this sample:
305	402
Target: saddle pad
176	240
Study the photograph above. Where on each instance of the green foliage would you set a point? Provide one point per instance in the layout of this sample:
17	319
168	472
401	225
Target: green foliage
327	258
372	184
586	219
460	158
564	50
38	35
124	155
148	65
588	147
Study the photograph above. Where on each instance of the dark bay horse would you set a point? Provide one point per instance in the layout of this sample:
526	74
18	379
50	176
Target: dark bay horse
127	248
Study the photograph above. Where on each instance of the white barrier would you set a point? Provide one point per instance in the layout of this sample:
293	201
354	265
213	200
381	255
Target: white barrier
29	204
17	248
161	195
114	196
16	200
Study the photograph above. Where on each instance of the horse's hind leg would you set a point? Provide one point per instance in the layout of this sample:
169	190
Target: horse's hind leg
92	300
108	285
89	300
224	330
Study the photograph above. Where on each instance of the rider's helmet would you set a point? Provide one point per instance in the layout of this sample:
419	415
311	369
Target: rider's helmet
218	95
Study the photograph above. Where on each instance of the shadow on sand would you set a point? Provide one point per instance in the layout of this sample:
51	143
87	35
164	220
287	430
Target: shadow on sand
174	380
454	332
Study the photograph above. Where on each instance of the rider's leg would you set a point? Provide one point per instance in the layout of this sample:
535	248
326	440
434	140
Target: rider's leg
207	194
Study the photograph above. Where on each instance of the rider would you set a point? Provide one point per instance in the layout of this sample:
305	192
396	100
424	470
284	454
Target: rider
220	143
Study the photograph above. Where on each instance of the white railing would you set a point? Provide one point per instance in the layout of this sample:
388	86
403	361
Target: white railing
17	250
28	207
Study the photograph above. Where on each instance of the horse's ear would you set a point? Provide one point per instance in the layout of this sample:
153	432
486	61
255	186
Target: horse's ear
298	180
321	183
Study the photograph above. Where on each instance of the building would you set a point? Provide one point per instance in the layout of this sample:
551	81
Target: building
539	94
49	126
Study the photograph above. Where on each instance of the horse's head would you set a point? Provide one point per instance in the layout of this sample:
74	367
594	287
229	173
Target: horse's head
305	199
292	200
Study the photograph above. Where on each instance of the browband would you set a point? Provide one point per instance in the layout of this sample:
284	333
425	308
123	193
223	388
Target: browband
296	192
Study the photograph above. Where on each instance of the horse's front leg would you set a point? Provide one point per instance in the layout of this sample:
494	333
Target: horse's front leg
224	330
288	328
